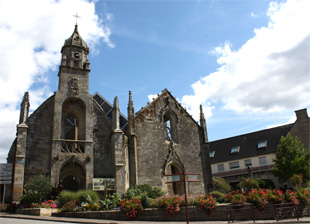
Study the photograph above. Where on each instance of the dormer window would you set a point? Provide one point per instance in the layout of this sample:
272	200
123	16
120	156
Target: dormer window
262	144
235	149
212	154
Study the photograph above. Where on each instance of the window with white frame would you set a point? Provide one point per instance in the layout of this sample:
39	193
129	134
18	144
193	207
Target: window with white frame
220	168
234	165
262	160
235	149
262	144
248	162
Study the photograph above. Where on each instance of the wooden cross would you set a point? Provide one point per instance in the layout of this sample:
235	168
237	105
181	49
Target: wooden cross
76	17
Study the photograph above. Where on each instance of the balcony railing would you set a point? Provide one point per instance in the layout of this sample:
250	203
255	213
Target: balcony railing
72	146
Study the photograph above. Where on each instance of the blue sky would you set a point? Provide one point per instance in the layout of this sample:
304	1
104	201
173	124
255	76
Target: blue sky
246	62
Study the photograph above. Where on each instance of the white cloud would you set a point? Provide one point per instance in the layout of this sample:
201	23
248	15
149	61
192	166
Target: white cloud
151	97
32	34
269	73
254	15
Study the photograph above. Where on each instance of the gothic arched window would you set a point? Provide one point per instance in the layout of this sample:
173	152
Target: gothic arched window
170	123
73	120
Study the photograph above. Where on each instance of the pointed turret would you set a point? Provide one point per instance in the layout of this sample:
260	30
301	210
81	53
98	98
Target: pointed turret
76	40
206	154
21	145
75	52
131	116
24	108
203	124
115	115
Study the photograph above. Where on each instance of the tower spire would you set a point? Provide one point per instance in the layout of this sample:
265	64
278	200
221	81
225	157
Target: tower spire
203	124
115	114
206	153
24	108
131	115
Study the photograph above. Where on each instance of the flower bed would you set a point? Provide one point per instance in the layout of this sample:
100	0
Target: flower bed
157	214
204	207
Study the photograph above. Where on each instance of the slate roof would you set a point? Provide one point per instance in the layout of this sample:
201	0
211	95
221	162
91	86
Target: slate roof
107	108
248	144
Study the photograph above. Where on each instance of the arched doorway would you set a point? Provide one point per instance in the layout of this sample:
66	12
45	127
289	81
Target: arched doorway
178	187
72	176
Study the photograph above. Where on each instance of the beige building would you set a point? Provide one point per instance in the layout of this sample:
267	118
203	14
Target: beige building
231	157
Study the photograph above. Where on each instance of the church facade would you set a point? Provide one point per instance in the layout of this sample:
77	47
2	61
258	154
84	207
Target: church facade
82	141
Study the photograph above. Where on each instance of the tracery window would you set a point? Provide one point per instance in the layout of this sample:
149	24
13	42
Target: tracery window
170	123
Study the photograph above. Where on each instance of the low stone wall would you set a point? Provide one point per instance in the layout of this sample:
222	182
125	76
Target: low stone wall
37	211
155	214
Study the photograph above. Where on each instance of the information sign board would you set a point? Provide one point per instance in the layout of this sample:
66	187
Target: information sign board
103	184
174	178
6	167
6	170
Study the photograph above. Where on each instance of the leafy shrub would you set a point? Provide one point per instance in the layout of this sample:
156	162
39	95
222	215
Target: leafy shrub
248	184
133	193
131	207
235	197
30	197
40	184
258	197
110	202
275	196
171	204
219	196
85	198
220	184
70	206
145	201
138	190
303	195
297	180
266	184
155	192
85	206
290	196
66	196
206	204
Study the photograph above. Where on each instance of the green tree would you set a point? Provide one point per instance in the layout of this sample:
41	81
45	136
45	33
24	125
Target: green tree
291	158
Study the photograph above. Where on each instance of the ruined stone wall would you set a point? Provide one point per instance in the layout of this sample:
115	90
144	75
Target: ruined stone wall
103	155
39	140
153	145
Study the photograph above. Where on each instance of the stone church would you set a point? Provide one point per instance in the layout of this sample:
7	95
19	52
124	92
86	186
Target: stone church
82	141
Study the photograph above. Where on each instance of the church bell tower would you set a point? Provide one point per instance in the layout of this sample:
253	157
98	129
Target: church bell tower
72	147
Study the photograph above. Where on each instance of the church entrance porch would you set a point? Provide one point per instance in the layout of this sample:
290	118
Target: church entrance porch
72	176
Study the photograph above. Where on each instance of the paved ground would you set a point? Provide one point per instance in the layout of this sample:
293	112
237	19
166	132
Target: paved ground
49	219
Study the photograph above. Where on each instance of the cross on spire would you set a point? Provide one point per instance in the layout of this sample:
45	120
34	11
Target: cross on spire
76	17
